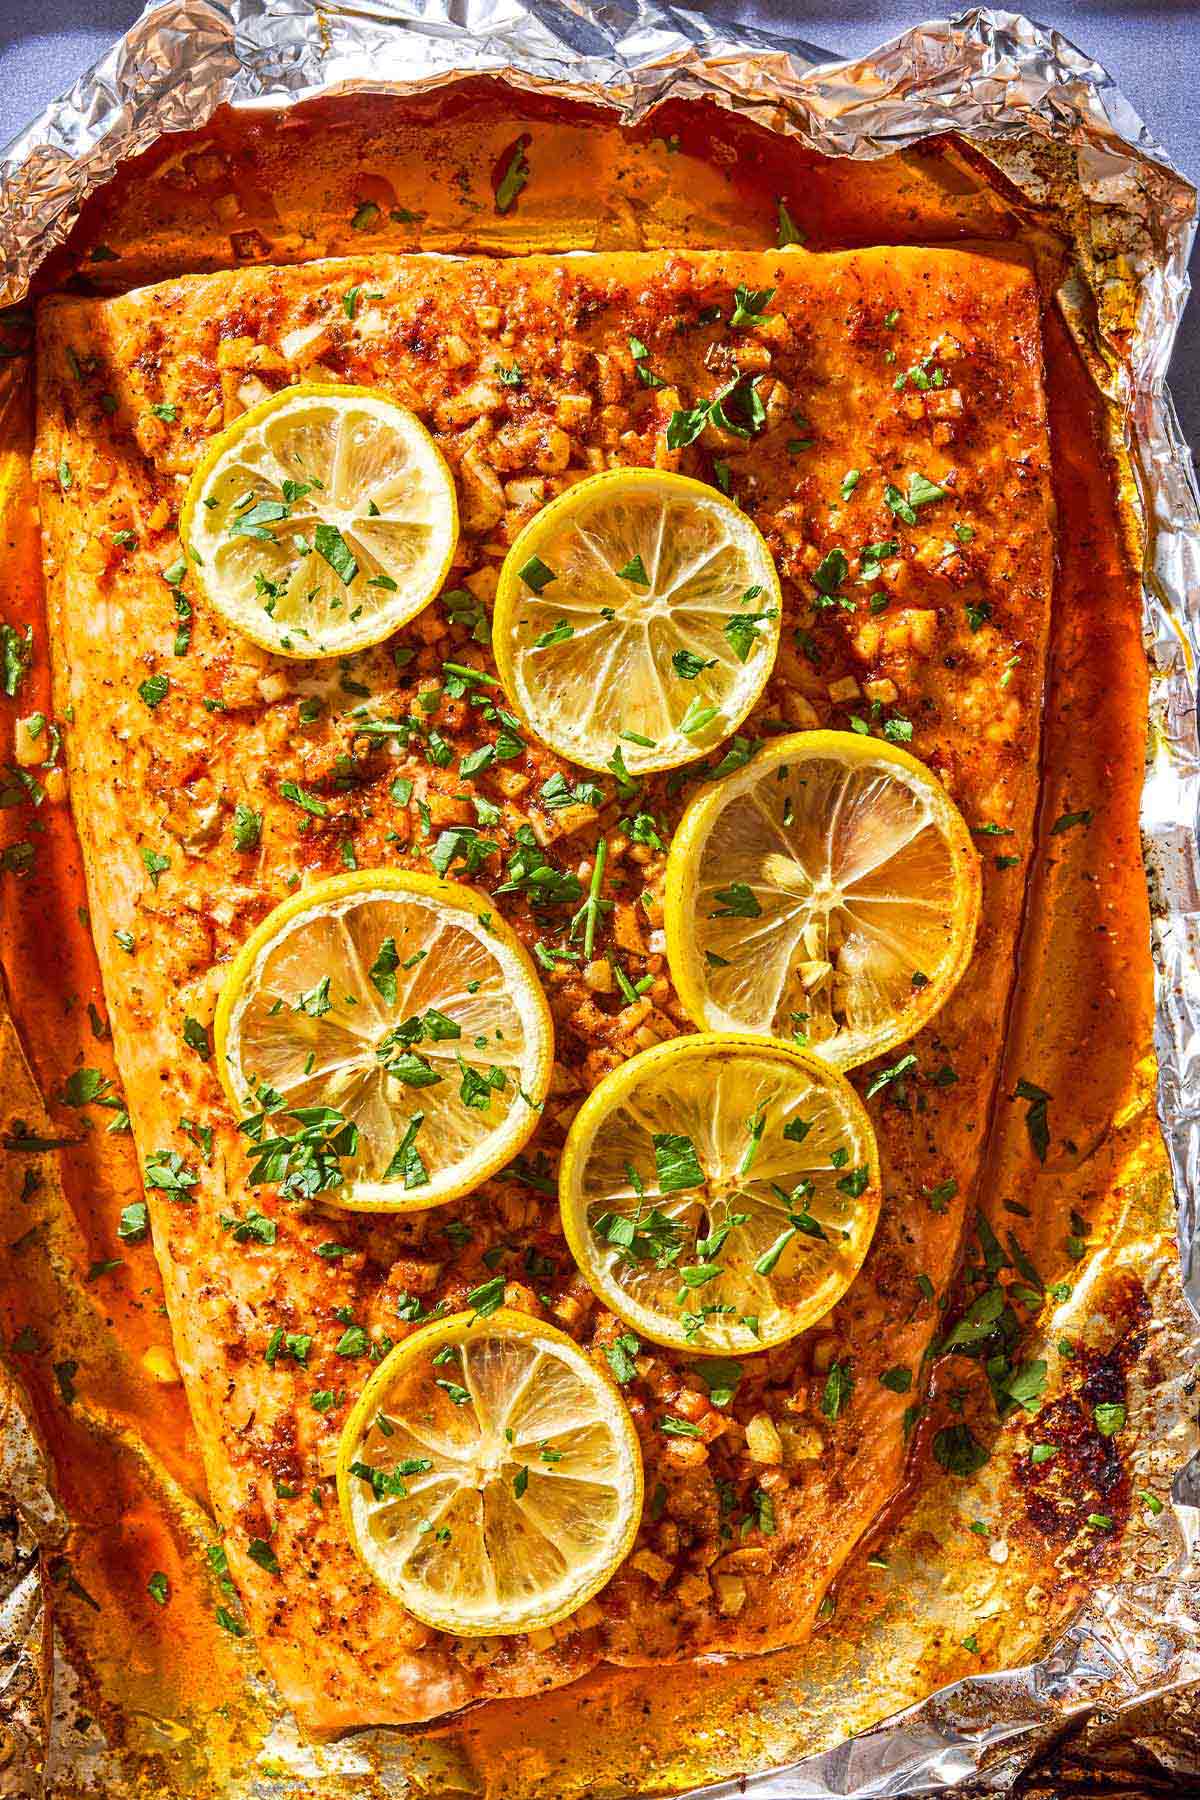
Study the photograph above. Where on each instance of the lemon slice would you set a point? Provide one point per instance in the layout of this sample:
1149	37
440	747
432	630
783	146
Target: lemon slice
639	611
828	891
719	1192
490	1475
321	520
406	1008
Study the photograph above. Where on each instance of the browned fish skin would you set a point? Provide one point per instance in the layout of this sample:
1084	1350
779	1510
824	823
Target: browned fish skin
957	652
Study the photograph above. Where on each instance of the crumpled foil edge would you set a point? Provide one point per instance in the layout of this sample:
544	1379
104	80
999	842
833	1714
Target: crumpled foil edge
990	75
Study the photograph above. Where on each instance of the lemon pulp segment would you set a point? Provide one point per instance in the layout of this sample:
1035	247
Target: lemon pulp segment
638	612
408	1008
828	891
719	1192
490	1475
321	520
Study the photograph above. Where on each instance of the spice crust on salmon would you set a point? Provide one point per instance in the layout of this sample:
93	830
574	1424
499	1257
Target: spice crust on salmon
897	418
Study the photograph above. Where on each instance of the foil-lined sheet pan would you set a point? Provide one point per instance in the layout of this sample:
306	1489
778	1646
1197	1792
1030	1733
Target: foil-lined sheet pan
1028	100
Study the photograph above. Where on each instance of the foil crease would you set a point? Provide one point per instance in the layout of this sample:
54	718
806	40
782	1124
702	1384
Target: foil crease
30	1525
1004	83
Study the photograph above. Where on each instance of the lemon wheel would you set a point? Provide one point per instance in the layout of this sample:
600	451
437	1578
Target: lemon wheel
321	520
397	1022
719	1192
828	893
490	1475
638	612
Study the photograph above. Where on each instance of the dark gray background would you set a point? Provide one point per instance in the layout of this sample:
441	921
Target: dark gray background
1151	49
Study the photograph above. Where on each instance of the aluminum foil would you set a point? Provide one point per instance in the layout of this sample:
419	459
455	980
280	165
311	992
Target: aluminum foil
1009	86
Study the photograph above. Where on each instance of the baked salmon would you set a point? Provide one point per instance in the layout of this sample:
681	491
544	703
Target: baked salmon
897	415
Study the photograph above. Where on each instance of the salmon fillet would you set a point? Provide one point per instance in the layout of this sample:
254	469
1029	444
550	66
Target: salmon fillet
871	367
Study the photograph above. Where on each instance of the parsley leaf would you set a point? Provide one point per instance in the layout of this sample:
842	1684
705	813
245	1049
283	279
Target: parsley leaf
1036	1120
738	901
742	630
886	1076
830	573
329	543
488	1298
687	665
839	1386
676	1163
155	865
309	803
247	827
407	1160
958	1451
16	653
749	304
513	180
786	232
620	1356
1109	1417
536	574
195	1036
1069	820
921	492
167	1170
382	972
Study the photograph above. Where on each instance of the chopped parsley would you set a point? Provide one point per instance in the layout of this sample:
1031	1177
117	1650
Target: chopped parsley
516	174
921	492
743	631
382	973
839	1386
958	1451
488	1298
1036	1119
308	803
676	1163
1069	820
1109	1417
737	901
329	543
536	574
785	229
749	305
620	1356
247	827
